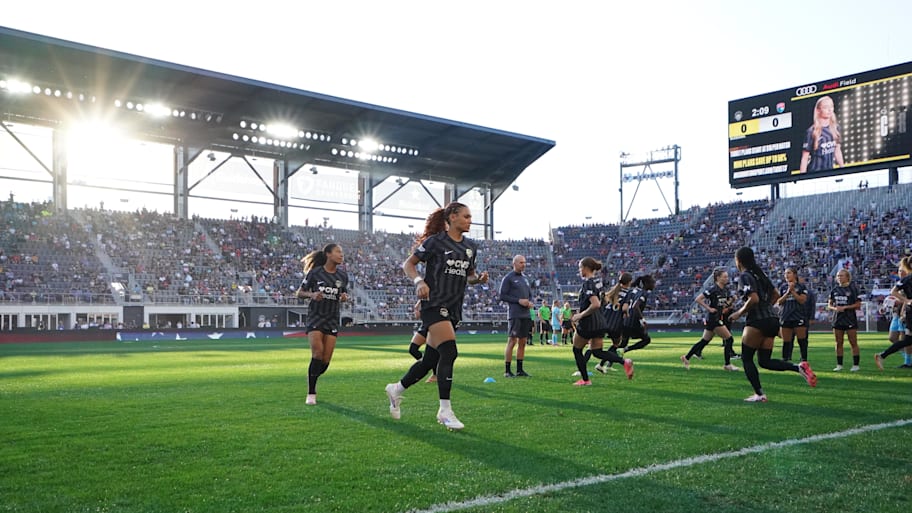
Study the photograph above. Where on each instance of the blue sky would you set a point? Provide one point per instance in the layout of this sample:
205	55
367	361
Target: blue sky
597	78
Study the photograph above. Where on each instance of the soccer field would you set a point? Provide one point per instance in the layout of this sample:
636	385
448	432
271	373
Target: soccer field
221	426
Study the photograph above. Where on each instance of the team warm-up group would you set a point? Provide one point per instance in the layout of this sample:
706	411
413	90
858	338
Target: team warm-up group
614	312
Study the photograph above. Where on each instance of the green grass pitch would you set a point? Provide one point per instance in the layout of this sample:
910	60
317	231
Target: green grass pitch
221	426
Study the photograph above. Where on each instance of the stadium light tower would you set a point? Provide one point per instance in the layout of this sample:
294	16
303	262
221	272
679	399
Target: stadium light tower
659	158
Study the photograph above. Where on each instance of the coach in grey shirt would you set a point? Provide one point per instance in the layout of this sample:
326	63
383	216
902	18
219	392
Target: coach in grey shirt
516	293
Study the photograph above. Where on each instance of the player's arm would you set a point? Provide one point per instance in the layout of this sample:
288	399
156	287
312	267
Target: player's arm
839	161
594	305
701	300
752	300
805	159
410	267
474	279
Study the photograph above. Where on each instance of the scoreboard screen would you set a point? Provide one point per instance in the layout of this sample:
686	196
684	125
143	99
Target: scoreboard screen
843	125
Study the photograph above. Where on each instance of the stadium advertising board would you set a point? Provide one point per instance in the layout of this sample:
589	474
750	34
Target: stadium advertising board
843	125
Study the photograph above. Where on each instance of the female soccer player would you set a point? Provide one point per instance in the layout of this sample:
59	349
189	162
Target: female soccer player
822	147
759	294
613	309
902	293
449	258
566	324
844	302
718	302
326	285
792	315
586	331
634	304
556	313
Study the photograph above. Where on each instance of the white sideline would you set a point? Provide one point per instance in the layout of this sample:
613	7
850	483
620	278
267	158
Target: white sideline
642	471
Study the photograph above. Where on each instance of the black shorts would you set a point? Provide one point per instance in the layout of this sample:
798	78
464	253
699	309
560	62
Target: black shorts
711	323
544	326
843	325
519	327
589	335
326	330
792	324
567	325
434	314
635	332
769	326
422	330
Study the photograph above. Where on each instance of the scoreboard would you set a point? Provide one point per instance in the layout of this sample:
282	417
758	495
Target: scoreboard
843	125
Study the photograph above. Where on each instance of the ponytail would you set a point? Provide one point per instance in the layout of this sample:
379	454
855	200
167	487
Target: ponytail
748	261
318	257
437	221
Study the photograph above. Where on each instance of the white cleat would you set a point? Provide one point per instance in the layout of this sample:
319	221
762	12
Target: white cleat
731	368
311	399
395	398
838	368
449	420
855	368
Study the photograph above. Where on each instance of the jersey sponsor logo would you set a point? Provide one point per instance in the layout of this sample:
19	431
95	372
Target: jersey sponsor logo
841	300
331	293
457	267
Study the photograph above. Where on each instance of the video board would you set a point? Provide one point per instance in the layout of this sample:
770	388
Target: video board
843	125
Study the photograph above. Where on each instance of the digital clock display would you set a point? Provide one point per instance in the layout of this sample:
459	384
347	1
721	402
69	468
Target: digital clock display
833	127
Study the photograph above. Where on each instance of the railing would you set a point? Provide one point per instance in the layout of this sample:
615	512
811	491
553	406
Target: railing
55	298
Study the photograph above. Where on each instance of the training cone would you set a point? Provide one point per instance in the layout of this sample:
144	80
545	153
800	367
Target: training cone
489	380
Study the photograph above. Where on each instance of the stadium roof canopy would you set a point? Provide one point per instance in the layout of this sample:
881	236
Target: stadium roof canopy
205	110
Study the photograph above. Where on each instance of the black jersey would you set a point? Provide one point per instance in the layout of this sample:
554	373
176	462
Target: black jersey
844	296
791	310
764	309
636	300
904	285
824	157
324	314
719	298
591	287
448	264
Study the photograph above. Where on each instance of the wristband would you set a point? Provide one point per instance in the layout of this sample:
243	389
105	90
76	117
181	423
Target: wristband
418	279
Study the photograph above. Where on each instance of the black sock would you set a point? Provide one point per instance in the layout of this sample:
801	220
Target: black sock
323	369
838	360
750	368
788	346
803	348
448	354
313	372
641	344
765	359
581	363
697	348
856	359
729	347
507	368
607	356
519	367
414	351
419	369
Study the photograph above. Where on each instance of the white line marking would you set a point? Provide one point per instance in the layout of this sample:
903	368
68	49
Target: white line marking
659	467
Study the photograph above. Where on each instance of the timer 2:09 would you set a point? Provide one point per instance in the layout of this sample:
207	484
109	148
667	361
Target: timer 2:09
762	111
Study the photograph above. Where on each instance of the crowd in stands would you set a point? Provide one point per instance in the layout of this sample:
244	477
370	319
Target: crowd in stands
47	256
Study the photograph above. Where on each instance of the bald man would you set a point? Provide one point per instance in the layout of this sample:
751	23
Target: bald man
516	293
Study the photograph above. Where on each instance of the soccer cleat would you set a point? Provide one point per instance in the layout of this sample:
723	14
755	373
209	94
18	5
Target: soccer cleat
522	374
311	399
395	398
628	368
837	368
804	368
878	360
735	356
583	383
756	398
685	361
432	379
600	368
731	368
855	368
449	420
509	374
698	356
577	373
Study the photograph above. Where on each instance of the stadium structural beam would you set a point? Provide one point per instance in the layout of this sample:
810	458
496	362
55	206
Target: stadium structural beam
60	163
280	175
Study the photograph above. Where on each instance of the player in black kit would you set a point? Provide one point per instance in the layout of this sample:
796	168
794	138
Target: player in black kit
326	285
759	294
449	258
845	302
793	315
718	302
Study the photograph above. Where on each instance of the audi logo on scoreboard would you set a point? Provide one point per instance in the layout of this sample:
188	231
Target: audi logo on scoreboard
806	90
